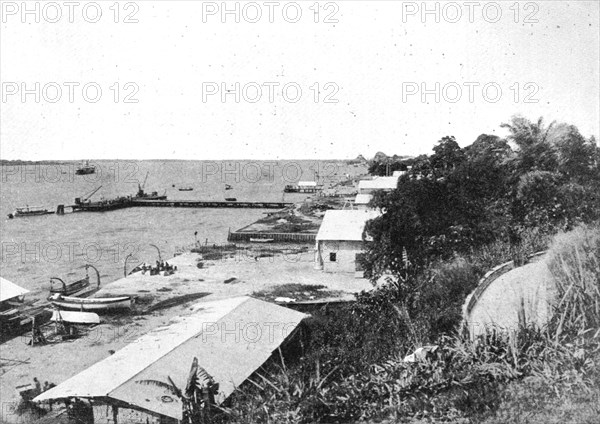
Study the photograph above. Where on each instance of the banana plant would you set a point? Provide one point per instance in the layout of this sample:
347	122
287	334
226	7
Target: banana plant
198	396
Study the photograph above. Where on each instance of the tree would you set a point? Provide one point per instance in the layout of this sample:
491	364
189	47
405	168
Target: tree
534	150
447	155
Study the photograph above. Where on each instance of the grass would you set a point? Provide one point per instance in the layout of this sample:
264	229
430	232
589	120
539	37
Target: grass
298	292
353	369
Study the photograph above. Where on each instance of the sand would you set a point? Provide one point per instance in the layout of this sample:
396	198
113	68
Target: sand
59	361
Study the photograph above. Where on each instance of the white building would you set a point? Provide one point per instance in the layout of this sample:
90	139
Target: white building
379	183
340	242
231	338
361	201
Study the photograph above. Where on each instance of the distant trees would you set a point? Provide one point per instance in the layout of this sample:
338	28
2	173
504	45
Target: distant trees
540	176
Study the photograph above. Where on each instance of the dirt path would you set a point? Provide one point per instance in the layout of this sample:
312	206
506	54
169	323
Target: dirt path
529	287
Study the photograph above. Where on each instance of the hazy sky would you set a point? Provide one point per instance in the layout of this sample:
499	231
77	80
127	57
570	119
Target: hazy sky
375	61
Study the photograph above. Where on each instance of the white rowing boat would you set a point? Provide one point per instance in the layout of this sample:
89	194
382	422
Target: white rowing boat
75	317
261	240
91	304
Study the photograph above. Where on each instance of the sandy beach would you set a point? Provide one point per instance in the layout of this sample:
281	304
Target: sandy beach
160	298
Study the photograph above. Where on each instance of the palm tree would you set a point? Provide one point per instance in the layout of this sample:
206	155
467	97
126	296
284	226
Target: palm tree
198	396
533	141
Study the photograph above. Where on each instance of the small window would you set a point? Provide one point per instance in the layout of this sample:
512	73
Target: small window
332	257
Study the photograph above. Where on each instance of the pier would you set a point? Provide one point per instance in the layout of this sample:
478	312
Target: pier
209	204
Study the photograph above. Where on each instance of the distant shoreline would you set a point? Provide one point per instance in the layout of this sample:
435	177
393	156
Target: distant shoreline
67	161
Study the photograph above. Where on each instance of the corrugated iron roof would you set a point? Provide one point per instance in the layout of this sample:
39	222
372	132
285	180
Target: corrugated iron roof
362	199
345	225
231	339
10	290
380	183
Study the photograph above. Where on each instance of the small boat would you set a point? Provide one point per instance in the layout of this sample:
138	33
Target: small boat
75	317
29	211
228	187
99	304
85	169
230	199
186	188
68	289
303	187
261	240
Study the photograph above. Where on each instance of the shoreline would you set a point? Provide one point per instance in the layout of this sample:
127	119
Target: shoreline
245	271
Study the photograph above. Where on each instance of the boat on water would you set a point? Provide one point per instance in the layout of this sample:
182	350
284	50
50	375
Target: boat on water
142	195
86	205
29	211
228	187
85	169
303	187
186	188
100	304
101	205
230	199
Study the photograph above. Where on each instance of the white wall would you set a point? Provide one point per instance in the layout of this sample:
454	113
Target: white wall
345	255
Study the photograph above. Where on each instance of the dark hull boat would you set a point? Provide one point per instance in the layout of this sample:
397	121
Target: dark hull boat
29	211
302	189
153	196
142	195
18	320
79	288
85	169
102	205
68	289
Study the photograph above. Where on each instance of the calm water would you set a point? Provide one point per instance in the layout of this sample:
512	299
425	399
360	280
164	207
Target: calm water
37	248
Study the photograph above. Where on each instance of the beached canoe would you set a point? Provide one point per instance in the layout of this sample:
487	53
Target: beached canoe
91	304
70	288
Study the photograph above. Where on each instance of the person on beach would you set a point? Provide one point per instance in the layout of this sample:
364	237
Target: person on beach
38	386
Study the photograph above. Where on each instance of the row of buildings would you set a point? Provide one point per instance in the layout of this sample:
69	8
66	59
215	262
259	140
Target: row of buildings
339	242
219	333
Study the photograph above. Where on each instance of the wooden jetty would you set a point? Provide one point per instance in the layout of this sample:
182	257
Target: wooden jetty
208	204
135	202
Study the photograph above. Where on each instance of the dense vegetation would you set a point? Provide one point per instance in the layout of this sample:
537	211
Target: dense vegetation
456	214
538	180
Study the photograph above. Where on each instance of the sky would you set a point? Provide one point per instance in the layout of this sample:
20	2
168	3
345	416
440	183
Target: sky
183	80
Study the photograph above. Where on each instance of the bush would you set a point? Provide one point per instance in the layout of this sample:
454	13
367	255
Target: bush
574	260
